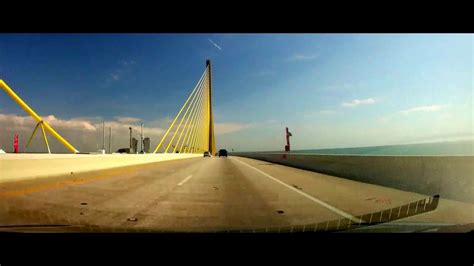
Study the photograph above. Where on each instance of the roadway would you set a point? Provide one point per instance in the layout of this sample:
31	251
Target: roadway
204	194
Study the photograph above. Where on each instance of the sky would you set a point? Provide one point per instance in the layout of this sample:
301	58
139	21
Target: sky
331	90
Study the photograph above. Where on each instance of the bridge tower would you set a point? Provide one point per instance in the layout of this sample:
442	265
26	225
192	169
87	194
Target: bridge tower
212	140
192	129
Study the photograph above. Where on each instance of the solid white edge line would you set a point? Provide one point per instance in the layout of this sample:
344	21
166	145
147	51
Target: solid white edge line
318	201
185	180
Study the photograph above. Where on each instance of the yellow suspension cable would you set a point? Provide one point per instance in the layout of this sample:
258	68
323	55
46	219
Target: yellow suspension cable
197	133
192	123
198	127
191	146
185	127
182	119
172	129
189	97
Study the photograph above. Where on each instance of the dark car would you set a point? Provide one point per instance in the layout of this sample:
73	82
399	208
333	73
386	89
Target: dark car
222	153
207	154
123	150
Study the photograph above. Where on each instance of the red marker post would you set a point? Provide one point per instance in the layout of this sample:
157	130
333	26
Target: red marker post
15	143
288	135
287	146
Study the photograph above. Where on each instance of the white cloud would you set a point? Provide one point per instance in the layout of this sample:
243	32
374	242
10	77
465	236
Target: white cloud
115	76
357	102
163	122
301	57
24	122
122	68
215	44
417	109
423	108
224	128
126	119
72	123
83	133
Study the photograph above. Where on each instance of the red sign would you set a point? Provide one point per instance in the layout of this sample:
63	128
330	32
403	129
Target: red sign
15	143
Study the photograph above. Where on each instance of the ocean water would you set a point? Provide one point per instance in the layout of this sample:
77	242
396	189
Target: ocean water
431	149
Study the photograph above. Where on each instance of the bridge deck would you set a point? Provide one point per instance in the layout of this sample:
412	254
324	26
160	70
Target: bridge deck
205	194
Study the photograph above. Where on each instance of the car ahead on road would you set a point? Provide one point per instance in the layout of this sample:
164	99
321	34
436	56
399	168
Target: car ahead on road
222	153
207	154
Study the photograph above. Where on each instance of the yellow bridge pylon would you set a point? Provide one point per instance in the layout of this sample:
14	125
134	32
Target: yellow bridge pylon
41	123
195	131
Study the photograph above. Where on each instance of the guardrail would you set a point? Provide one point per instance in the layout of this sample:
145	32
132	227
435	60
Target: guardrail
451	177
27	166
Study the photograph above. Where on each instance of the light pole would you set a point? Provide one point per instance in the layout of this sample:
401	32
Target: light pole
141	137
130	128
103	137
110	139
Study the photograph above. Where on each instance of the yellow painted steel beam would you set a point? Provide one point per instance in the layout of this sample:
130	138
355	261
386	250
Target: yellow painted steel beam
211	136
205	136
182	108
32	134
32	113
202	133
45	138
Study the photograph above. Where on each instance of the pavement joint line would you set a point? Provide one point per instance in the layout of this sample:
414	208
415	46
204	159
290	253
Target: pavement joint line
185	180
316	200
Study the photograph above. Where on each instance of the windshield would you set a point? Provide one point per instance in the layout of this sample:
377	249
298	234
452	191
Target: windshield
236	133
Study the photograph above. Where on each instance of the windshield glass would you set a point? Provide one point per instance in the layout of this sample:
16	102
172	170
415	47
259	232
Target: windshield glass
236	132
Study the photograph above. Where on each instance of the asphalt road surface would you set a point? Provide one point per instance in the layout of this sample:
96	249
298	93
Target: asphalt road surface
203	194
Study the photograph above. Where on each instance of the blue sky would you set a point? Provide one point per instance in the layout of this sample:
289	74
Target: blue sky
332	90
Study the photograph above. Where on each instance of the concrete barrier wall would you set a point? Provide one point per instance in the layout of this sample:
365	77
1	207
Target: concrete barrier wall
27	166
450	176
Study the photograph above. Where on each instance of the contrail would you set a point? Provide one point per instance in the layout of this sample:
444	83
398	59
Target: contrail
215	45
